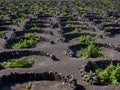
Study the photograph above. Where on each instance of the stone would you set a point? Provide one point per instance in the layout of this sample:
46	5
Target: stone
82	70
5	37
52	42
51	74
84	73
54	58
59	32
70	53
118	49
55	26
100	36
95	77
65	52
95	80
85	76
73	83
48	54
93	74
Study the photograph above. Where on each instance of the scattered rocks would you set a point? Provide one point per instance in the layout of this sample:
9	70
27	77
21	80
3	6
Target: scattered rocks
61	39
100	36
93	78
68	52
59	32
56	25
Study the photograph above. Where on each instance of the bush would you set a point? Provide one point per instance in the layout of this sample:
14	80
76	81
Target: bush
115	75
29	40
3	32
18	63
28	86
88	77
110	74
86	39
70	25
82	9
77	30
91	51
35	28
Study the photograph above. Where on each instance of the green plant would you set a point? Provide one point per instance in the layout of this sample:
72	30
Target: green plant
69	20
18	19
77	30
35	28
28	86
48	12
103	11
91	51
7	22
82	9
18	63
3	32
70	25
104	22
21	17
68	15
36	8
110	74
29	40
63	13
108	28
86	39
115	76
88	77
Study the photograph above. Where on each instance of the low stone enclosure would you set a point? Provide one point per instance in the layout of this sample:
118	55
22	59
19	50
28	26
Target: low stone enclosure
8	44
91	66
14	78
77	47
20	53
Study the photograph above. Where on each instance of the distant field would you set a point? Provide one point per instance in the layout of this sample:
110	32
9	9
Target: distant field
59	44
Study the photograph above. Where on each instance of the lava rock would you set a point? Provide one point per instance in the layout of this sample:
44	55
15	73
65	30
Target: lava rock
52	42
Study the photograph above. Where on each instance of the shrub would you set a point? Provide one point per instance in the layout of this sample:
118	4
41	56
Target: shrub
91	51
108	28
77	30
35	28
86	39
28	86
110	74
70	25
3	32
29	40
18	63
82	9
115	76
88	77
